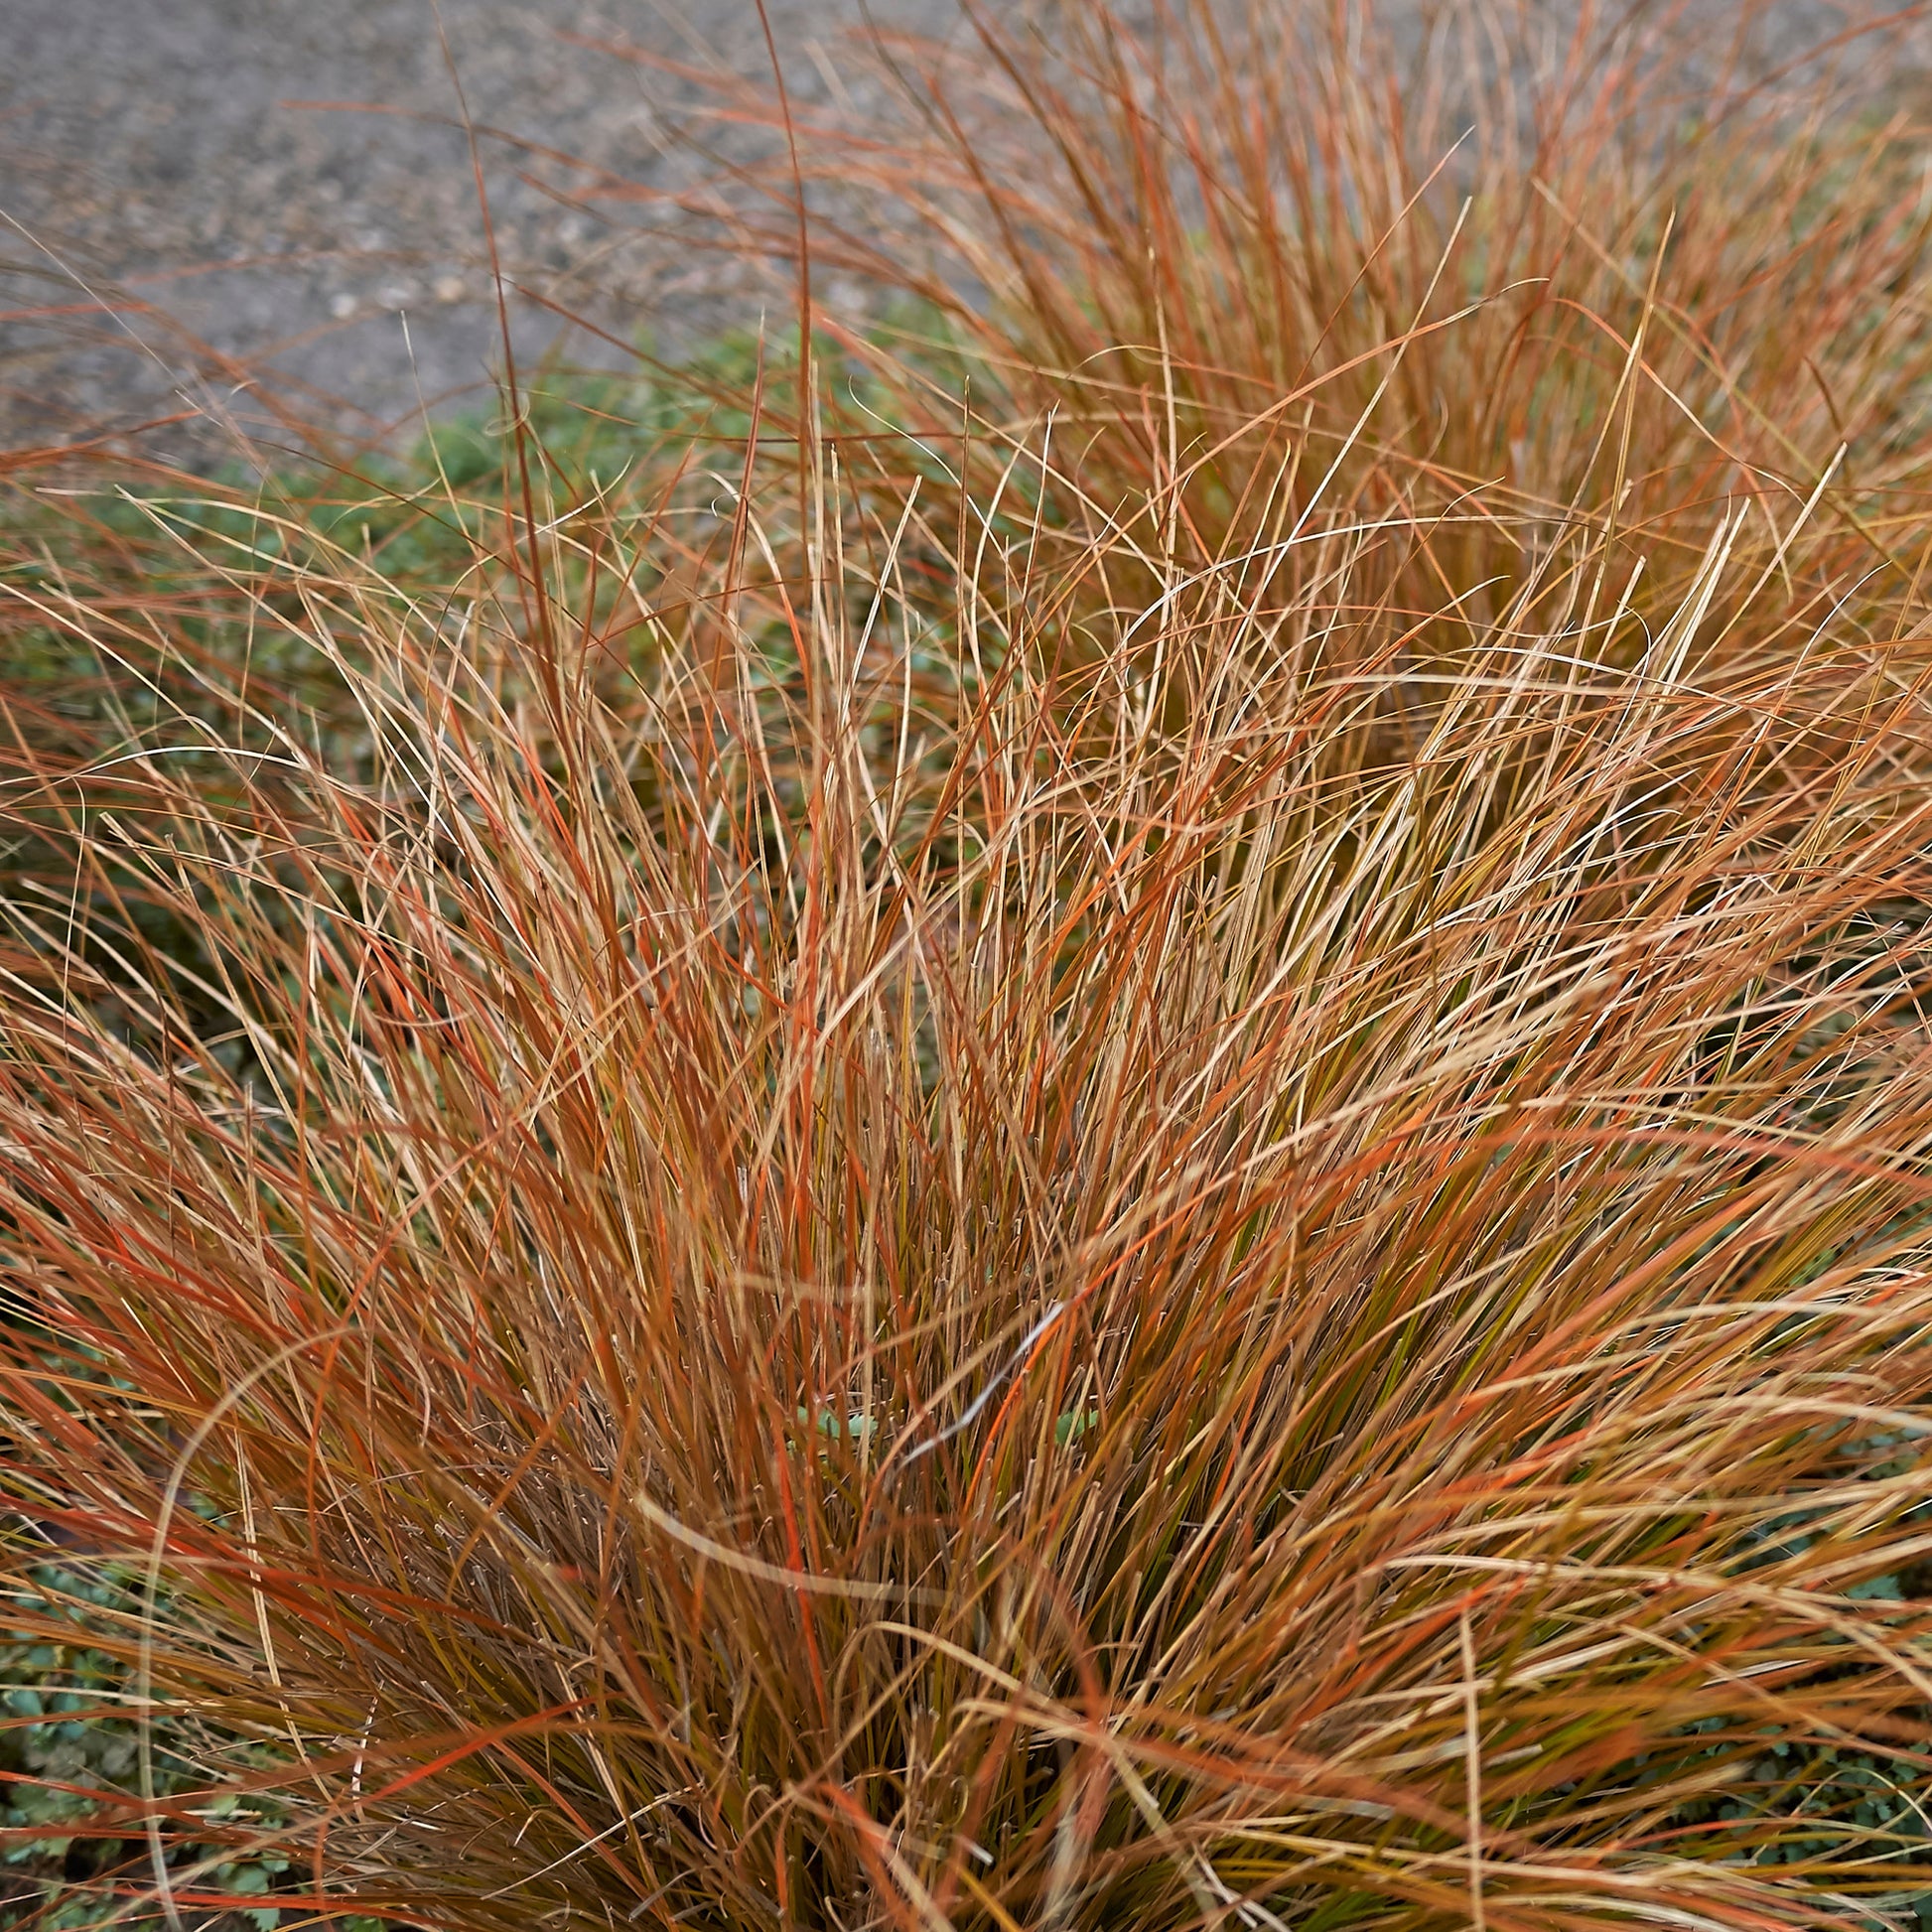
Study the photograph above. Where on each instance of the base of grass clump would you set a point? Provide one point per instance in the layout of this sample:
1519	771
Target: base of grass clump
933	1194
76	1730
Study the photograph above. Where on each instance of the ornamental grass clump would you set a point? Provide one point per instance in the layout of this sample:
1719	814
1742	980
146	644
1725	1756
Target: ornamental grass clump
960	1217
1516	265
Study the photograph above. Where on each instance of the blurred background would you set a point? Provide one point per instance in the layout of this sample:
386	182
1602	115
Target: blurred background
208	201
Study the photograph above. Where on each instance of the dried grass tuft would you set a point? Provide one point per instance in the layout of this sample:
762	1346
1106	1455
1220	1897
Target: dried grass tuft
1027	1202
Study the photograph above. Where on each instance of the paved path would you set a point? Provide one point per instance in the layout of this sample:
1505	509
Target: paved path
146	144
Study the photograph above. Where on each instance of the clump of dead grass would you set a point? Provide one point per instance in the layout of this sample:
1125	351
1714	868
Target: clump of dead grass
1024	1210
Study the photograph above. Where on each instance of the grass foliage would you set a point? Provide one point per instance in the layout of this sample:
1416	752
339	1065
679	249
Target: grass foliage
1137	1144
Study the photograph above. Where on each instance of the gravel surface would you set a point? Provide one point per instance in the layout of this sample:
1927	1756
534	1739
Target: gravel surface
154	148
160	149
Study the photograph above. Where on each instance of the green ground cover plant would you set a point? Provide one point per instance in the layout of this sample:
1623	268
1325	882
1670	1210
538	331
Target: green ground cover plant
1123	1121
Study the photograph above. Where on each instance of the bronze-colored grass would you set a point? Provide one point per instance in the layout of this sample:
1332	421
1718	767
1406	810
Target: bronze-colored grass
1263	265
983	1225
